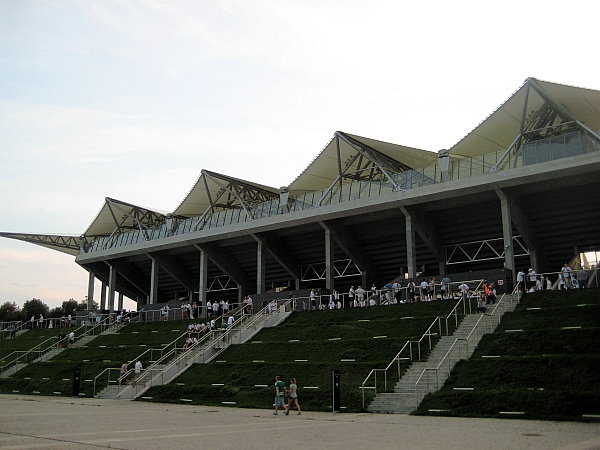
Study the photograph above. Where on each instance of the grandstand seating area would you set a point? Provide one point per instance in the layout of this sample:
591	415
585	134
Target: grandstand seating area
307	346
542	362
54	377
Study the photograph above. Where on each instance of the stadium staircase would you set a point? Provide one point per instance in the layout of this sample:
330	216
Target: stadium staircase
51	351
428	376
174	363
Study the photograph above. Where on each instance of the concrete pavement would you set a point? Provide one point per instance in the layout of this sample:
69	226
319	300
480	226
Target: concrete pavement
33	422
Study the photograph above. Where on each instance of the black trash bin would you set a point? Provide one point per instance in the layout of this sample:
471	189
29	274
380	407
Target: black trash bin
76	381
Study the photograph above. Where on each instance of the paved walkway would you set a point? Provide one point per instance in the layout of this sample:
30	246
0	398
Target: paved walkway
28	422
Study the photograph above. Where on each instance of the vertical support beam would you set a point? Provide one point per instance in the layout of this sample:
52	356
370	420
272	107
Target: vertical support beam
260	267
203	284
120	303
411	249
152	300
329	268
240	294
90	296
112	283
507	234
103	296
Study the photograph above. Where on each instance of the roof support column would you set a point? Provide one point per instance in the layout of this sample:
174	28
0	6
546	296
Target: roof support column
90	296
411	250
103	296
422	225
152	298
507	234
329	267
203	284
260	267
112	283
120	302
518	216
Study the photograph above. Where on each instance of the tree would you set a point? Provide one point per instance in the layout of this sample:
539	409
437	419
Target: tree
35	307
9	311
56	312
69	307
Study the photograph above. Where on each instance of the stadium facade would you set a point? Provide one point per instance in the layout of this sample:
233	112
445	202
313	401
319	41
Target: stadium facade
521	190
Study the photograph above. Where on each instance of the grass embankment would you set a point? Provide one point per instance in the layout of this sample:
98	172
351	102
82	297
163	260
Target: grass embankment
28	340
308	346
541	363
54	377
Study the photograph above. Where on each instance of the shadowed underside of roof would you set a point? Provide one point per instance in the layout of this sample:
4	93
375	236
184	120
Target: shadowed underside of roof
122	216
219	192
352	156
61	243
536	105
499	129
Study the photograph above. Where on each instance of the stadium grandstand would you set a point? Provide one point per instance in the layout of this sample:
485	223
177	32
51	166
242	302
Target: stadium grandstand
520	193
521	190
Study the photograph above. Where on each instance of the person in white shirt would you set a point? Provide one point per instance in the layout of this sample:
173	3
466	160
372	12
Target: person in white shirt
229	321
567	274
138	368
464	289
521	281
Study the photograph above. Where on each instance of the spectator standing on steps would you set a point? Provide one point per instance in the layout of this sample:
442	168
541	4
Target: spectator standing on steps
123	372
582	279
138	368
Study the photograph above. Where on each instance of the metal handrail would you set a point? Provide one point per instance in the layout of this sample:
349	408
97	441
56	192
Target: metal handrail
457	341
142	381
39	351
409	343
165	356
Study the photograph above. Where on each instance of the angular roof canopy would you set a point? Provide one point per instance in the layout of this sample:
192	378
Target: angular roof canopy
61	243
116	215
357	155
498	130
219	192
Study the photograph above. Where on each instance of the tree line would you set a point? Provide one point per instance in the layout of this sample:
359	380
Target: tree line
10	311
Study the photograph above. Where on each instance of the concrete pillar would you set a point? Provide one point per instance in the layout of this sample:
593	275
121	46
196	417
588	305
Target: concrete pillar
90	296
297	284
442	267
120	303
411	250
507	234
103	296
112	283
203	285
329	266
152	300
260	268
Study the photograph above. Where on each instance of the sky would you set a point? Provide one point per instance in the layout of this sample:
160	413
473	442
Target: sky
131	99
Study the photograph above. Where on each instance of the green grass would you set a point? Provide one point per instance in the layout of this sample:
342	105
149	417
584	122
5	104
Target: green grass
369	336
549	370
105	351
29	340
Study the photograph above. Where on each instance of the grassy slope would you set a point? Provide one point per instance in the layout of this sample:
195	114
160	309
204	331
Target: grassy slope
103	352
547	371
325	337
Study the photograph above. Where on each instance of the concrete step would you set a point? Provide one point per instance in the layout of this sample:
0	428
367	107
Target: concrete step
406	395
12	370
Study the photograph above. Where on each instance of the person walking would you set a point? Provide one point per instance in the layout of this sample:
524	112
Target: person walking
292	392
279	393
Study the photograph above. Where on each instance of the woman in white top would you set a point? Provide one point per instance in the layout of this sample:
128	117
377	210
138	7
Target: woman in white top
292	393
